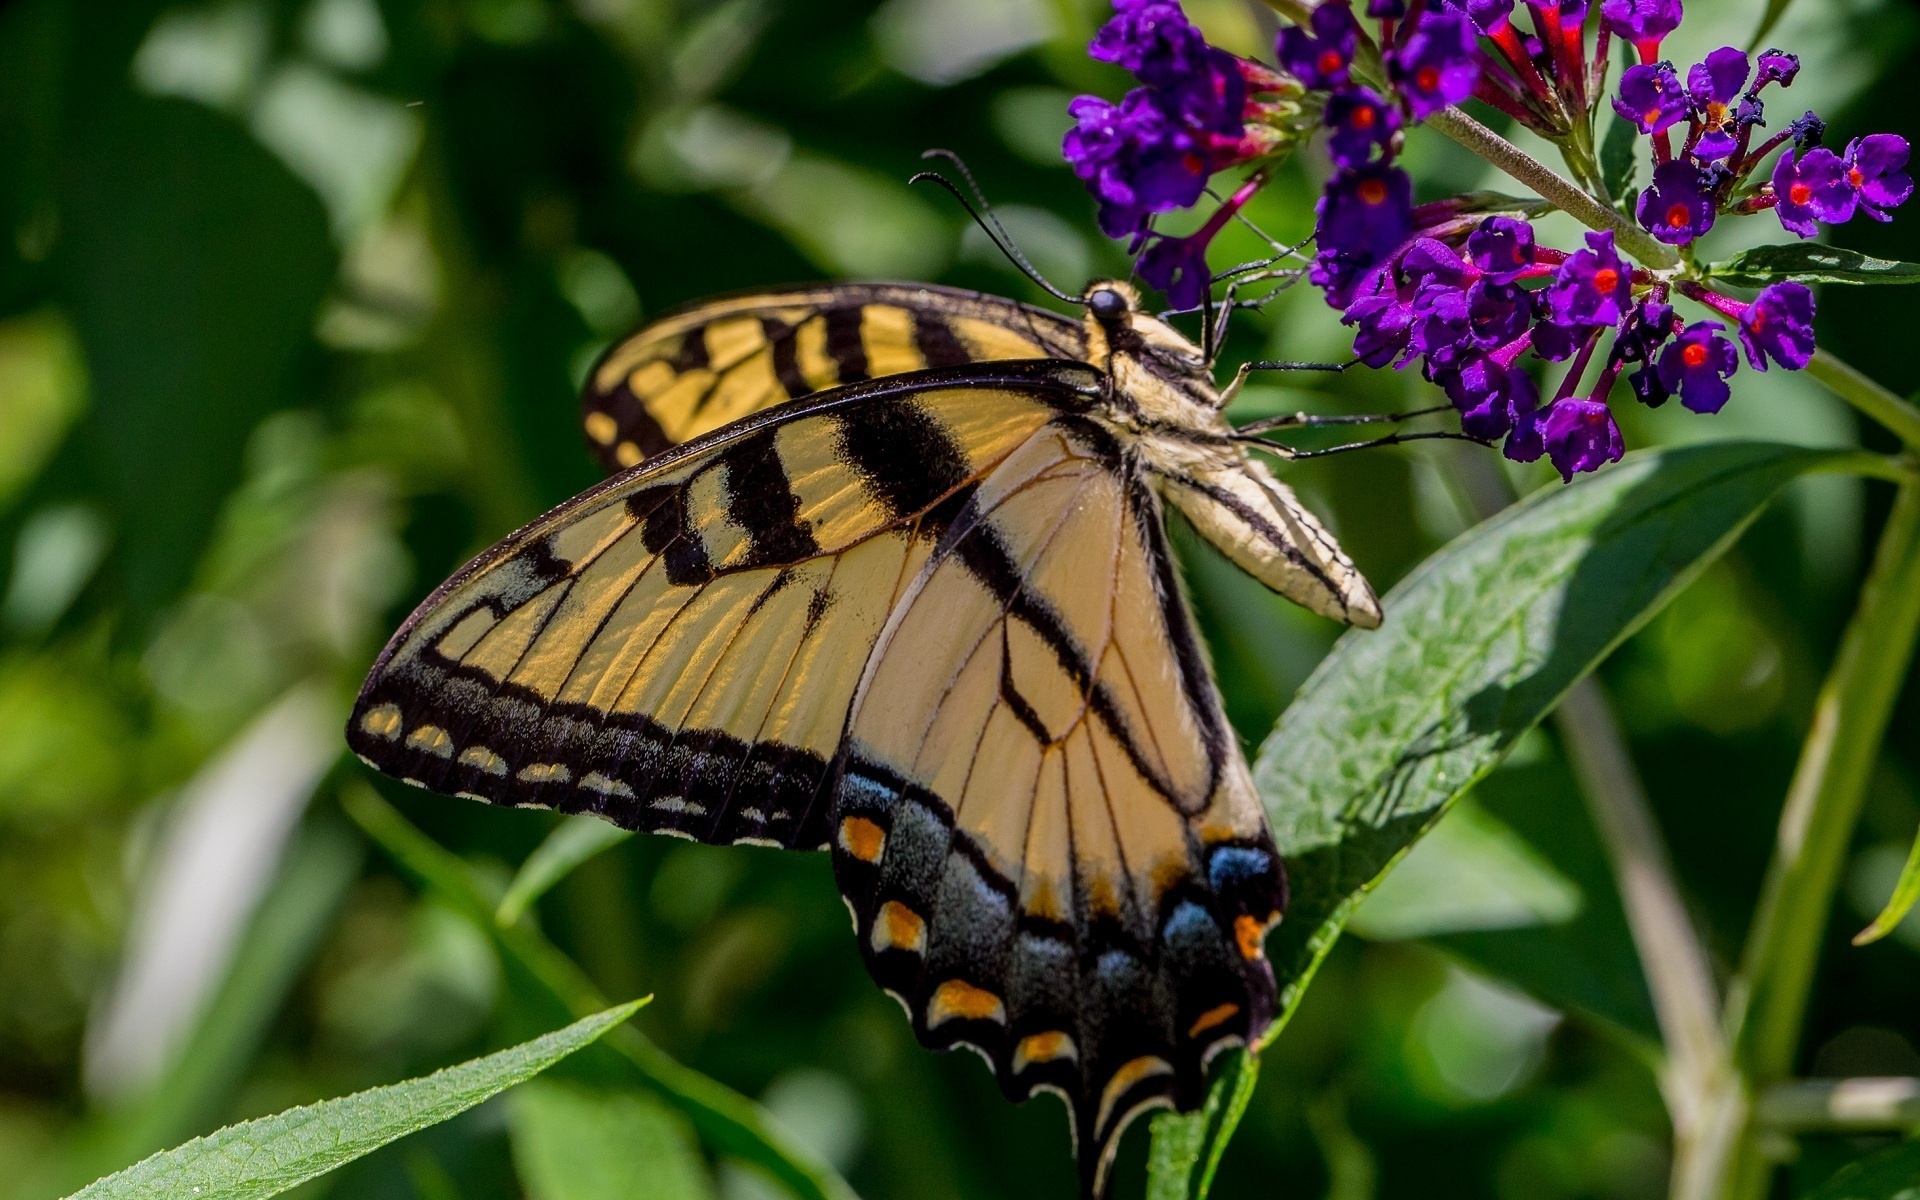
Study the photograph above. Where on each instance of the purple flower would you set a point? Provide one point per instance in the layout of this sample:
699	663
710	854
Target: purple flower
1436	65
1497	313
1381	320
1151	38
1697	366
1491	16
1136	160
1178	267
1390	10
1642	22
1719	79
1807	130
1777	66
1366	211
1524	444
1651	97
1779	325
1580	435
1487	395
1502	248
1361	122
1809	187
1678	207
1440	324
1430	261
1592	287
1649	325
1647	387
1714	85
1876	172
1323	58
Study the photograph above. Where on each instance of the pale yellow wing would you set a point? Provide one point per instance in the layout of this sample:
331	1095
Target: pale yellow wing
694	371
676	649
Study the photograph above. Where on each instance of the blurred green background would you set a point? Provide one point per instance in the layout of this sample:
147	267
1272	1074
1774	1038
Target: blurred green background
294	299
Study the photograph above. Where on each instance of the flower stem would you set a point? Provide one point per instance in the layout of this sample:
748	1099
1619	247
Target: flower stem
1563	192
1768	998
1706	1099
1898	415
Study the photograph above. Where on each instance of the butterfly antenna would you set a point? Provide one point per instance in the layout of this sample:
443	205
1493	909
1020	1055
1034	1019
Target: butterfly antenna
988	221
1392	439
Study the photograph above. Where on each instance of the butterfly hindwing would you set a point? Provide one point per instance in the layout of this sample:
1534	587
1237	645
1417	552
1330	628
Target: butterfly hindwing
1049	839
693	372
676	649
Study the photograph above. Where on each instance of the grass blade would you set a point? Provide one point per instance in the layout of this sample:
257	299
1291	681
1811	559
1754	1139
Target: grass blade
267	1156
572	842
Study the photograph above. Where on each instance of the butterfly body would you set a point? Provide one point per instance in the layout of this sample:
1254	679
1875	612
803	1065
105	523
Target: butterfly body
884	572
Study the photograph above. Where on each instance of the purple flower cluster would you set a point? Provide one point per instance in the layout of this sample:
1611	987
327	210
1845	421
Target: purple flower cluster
1462	287
1722	106
1154	151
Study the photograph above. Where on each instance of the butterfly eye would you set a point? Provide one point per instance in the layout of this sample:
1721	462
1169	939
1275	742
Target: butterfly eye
1107	304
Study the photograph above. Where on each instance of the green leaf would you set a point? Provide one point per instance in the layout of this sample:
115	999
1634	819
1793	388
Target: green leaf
572	842
1187	1146
1479	644
731	1123
1905	892
1618	158
1890	1174
194	295
267	1156
1810	262
1775	10
571	1143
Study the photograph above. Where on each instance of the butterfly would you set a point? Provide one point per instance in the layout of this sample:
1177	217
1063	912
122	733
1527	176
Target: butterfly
883	571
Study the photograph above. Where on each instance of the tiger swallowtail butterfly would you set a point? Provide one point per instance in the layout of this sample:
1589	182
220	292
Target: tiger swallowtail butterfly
883	571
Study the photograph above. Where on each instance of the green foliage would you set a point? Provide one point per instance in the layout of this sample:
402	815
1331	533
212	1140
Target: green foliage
571	1143
1905	893
293	300
267	1156
1809	262
571	843
1890	1174
1478	646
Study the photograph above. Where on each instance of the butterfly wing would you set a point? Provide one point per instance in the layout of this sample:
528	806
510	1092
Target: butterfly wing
1043	824
676	649
714	363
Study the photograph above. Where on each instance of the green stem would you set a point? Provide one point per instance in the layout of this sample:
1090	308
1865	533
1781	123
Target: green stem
1768	998
1898	415
1704	1094
1563	192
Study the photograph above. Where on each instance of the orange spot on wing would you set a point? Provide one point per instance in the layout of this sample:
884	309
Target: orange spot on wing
1251	933
1042	1047
862	838
1213	1018
897	927
958	1000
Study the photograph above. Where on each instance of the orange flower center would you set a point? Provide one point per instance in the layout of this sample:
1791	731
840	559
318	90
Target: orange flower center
1854	177
1716	114
1694	355
1651	117
1331	61
1677	215
1363	118
1427	78
1373	191
1606	279
1800	193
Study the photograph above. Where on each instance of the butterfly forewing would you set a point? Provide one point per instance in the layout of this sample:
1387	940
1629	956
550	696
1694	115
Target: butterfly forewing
677	649
694	372
1050	842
